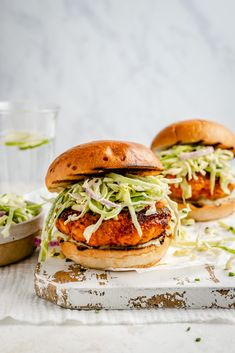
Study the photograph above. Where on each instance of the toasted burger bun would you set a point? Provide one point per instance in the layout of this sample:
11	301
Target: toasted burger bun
194	131
209	212
114	259
100	157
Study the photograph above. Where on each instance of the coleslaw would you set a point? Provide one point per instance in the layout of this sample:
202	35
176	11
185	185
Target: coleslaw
14	209
187	161
107	196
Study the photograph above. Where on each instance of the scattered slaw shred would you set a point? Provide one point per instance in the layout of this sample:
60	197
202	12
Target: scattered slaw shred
107	196
187	161
209	240
14	209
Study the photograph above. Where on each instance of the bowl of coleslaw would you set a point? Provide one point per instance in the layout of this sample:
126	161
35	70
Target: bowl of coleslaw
20	223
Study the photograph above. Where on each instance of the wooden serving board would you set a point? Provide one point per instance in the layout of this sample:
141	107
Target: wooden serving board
70	286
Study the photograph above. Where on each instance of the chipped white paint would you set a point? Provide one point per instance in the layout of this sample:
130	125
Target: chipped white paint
66	285
171	284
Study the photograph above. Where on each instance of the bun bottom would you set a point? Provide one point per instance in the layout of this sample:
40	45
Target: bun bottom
114	259
210	212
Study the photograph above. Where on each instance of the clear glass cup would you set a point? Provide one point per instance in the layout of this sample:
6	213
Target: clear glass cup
27	137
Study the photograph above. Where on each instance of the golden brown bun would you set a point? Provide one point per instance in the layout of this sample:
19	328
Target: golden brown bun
99	157
210	212
114	259
194	131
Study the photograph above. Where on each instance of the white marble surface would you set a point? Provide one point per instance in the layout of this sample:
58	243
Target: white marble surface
120	69
135	338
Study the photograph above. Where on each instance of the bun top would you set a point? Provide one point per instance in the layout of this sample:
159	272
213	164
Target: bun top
99	157
195	131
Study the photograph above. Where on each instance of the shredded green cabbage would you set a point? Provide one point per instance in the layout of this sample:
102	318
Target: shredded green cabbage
107	196
13	210
187	161
229	263
211	242
226	227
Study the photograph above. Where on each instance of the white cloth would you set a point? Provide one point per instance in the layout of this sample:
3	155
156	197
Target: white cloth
19	302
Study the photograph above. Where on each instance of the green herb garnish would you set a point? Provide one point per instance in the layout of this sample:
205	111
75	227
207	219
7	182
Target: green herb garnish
231	274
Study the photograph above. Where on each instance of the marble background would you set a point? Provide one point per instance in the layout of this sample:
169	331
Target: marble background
120	69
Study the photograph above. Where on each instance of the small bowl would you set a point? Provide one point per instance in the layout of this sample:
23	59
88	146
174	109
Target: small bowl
20	242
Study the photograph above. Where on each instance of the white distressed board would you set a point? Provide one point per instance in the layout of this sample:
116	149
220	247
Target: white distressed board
68	285
170	285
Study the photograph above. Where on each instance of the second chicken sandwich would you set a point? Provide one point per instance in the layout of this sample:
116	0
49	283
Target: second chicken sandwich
200	152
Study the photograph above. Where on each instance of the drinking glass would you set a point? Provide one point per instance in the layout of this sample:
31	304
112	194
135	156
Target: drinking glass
27	137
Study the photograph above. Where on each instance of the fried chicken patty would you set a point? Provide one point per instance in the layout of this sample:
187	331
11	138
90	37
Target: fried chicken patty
200	189
120	231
